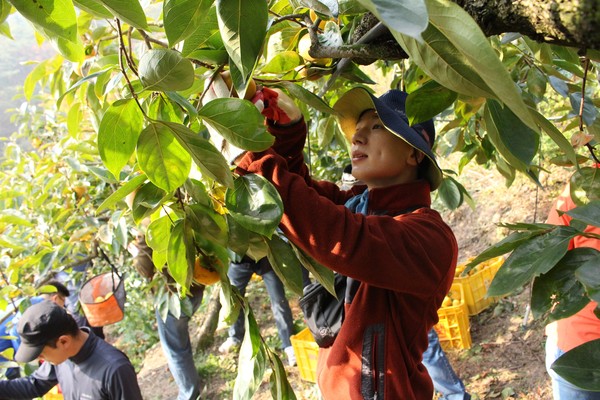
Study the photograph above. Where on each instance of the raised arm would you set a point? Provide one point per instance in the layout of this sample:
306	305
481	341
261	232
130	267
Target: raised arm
30	387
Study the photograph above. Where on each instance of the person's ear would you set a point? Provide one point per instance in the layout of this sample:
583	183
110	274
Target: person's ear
64	341
415	157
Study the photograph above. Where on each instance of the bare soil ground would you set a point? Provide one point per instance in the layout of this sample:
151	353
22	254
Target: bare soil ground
506	359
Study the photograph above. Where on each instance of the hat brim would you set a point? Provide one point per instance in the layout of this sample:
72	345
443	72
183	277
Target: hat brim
354	102
26	352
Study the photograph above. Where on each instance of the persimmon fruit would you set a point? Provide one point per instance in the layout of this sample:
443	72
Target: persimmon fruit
203	275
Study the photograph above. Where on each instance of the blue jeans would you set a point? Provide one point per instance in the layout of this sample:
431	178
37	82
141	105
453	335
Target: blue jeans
445	380
239	274
562	389
175	341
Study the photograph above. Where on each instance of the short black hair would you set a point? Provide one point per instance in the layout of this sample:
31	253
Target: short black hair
60	288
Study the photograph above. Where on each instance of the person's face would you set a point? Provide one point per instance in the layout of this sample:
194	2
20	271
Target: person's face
58	298
380	158
58	354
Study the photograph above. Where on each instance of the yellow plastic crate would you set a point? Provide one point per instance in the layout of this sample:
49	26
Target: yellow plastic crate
307	352
53	394
453	327
477	283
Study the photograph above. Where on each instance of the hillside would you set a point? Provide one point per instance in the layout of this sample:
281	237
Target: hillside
507	356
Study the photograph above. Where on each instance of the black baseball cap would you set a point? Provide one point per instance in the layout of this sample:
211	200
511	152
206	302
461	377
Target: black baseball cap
391	109
40	324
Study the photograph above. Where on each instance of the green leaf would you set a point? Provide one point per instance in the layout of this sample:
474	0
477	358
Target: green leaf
210	160
536	82
182	18
118	134
534	257
197	191
174	305
238	236
280	386
165	162
183	102
56	17
121	193
408	17
557	292
93	8
457	54
443	62
321	273
589	275
589	113
282	62
285	263
5	30
71	50
252	360
428	101
243	27
307	97
5	8
512	138
74	118
589	213
556	135
206	36
585	185
579	366
207	223
216	57
14	217
352	73
129	11
158	237
255	204
450	193
148	197
88	78
41	71
238	121
177	260
459	28
165	70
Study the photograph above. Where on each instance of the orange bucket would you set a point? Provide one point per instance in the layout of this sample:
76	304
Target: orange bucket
102	299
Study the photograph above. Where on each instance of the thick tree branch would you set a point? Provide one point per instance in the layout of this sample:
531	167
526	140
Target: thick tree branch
566	23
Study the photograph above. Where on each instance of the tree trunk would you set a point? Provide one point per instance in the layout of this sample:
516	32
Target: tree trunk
568	23
206	332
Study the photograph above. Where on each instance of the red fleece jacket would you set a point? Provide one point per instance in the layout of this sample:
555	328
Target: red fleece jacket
405	264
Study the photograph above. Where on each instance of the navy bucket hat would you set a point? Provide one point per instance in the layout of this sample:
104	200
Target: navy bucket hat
391	109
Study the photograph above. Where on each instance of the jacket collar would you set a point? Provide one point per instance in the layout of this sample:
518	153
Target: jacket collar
393	200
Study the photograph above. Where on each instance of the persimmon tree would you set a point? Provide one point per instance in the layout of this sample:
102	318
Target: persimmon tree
130	82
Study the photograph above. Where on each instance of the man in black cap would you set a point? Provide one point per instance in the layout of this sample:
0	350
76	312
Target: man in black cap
85	366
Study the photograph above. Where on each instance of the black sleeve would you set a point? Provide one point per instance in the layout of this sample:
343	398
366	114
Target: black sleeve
30	387
123	384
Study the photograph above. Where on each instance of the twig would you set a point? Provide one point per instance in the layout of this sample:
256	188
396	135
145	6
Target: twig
581	104
123	53
373	33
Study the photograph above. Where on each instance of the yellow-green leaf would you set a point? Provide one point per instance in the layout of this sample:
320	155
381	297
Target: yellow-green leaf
162	158
118	134
129	11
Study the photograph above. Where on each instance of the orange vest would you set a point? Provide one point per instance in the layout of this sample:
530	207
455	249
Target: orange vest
583	326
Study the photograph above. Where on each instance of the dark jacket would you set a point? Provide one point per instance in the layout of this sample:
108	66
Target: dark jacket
99	372
405	263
